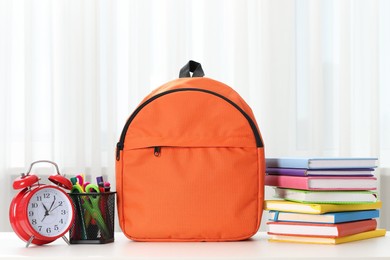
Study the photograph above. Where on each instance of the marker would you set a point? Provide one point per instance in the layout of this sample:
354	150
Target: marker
73	180
99	179
107	186
100	183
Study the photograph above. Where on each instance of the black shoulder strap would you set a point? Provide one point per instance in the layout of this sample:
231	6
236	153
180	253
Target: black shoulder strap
191	66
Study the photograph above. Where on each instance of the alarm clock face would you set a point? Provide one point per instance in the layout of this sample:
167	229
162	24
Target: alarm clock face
49	212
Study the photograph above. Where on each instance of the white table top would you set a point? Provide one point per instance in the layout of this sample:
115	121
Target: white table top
258	247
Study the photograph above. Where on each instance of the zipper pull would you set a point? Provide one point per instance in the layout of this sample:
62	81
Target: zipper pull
119	147
157	151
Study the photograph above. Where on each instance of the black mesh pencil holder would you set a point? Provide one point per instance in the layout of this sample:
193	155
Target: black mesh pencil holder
94	218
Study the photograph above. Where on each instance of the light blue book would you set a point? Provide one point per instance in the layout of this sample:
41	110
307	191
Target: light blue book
328	218
322	163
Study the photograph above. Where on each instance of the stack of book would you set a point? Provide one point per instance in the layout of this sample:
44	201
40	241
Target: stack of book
322	200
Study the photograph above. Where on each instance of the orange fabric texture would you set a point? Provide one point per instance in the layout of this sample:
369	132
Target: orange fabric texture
190	167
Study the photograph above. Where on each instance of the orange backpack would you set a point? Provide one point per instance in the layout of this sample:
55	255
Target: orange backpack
190	164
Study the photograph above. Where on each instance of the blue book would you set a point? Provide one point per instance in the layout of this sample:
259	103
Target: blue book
322	163
335	217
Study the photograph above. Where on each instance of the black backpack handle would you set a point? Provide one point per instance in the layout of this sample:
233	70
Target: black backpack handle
191	66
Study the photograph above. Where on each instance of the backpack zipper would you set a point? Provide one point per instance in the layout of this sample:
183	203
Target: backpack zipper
157	151
120	144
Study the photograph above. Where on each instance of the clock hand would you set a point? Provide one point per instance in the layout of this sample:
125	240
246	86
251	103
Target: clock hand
52	203
46	212
54	208
45	208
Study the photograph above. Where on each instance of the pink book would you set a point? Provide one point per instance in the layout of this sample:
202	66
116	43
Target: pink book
321	230
321	182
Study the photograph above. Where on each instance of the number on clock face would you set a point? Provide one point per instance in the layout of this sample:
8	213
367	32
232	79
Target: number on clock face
49	212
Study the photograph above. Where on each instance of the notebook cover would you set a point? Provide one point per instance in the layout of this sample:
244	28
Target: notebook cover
343	229
304	183
332	217
330	241
322	196
322	172
315	208
322	163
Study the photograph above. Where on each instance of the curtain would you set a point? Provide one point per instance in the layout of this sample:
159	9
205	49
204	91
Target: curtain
316	74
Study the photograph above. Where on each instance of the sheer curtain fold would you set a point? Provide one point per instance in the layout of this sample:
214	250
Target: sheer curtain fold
314	72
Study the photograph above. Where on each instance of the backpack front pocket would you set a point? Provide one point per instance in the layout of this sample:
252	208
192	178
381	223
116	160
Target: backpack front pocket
187	193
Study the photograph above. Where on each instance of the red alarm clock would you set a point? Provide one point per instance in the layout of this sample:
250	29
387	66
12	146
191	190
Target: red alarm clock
41	213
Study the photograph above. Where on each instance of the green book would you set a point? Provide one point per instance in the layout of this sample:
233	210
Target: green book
332	197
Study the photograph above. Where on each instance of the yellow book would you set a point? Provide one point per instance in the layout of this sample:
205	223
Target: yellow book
289	206
328	240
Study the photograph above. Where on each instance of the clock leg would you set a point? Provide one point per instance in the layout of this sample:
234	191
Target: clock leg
29	241
65	239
